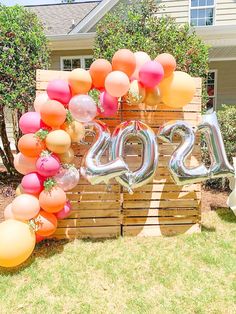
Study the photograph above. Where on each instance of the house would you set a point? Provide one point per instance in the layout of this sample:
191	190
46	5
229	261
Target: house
71	28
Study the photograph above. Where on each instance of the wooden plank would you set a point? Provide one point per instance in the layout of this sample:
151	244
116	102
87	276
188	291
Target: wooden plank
94	196
98	213
95	205
89	222
87	232
160	212
162	204
162	195
168	187
160	220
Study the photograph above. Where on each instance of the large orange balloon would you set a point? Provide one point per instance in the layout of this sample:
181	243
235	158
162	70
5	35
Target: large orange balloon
53	113
17	242
168	63
80	81
30	146
58	141
24	164
177	90
124	60
117	84
52	201
67	157
25	207
99	70
46	222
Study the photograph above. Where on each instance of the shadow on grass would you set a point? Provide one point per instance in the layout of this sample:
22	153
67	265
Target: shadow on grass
226	214
208	229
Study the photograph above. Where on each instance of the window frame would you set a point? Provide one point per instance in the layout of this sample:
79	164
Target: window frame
202	7
215	87
82	60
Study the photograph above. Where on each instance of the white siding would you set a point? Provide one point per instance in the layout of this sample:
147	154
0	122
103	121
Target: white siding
225	12
177	9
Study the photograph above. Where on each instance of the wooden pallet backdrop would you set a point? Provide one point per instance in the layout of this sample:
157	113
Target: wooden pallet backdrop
159	208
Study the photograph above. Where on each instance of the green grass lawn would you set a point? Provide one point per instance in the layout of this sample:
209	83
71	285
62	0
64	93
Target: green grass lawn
184	274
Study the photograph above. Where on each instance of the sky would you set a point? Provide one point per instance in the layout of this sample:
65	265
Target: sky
31	2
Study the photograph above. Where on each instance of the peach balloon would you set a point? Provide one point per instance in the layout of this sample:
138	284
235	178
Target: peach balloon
30	145
46	222
141	58
25	207
168	62
39	100
67	157
8	212
124	60
80	81
52	201
153	97
58	141
24	164
117	84
99	70
177	90
76	130
53	113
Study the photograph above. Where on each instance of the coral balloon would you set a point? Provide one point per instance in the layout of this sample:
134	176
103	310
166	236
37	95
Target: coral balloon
67	157
141	58
83	108
65	212
168	63
109	105
39	100
99	70
47	165
59	90
24	164
76	130
117	84
124	60
53	113
19	190
67	178
39	238
151	74
17	242
46	223
25	207
31	122
30	145
52	201
177	90
32	183
8	214
153	97
80	81
58	141
136	94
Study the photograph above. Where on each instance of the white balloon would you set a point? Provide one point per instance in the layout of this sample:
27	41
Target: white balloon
67	178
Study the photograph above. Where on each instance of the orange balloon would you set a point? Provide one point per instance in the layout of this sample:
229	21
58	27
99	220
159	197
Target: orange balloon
58	141
52	201
24	164
67	157
117	84
80	81
25	207
124	60
99	70
53	113
46	222
31	146
168	62
177	90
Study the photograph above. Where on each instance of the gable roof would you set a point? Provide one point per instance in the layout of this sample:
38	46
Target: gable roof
61	19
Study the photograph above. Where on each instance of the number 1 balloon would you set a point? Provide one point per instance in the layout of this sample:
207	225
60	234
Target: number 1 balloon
92	169
144	174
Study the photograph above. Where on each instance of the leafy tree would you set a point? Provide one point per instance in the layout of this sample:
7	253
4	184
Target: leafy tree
136	27
23	46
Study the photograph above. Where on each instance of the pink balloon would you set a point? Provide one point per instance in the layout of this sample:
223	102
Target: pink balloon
40	100
141	58
32	183
8	212
151	73
59	90
48	165
25	207
83	108
117	83
24	164
31	122
65	212
109	105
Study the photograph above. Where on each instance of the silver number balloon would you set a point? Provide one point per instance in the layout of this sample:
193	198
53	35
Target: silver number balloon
180	173
92	169
120	136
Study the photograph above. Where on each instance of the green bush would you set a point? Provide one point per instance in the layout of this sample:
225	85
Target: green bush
227	120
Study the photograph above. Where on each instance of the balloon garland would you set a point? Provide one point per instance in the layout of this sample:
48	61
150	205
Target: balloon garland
59	119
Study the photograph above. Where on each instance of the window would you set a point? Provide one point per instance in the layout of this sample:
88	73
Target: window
211	89
71	63
202	12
